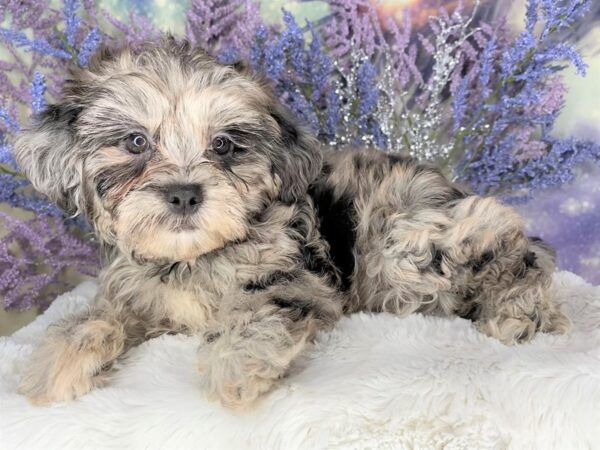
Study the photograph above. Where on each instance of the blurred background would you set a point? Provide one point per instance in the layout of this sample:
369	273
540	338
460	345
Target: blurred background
568	217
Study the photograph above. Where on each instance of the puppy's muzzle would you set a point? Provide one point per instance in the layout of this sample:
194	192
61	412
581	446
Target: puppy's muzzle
183	199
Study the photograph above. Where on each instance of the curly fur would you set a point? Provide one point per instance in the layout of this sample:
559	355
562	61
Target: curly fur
281	246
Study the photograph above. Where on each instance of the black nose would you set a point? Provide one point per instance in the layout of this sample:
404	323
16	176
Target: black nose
184	198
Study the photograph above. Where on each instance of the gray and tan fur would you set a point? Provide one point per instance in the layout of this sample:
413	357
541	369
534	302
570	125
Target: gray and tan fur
219	218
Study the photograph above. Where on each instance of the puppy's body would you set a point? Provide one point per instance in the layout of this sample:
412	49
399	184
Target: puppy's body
219	220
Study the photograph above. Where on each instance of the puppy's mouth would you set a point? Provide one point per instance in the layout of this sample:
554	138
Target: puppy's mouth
184	225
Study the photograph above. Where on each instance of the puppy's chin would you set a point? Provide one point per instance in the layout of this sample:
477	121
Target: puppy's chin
181	245
185	245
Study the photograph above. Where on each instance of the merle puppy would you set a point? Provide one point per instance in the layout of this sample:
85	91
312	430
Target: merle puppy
221	216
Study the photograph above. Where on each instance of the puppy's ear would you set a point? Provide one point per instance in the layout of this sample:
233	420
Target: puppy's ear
48	149
47	152
299	160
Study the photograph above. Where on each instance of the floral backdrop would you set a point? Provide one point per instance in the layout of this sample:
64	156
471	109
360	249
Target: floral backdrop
500	95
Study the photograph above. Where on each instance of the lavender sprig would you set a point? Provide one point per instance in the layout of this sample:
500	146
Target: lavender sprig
33	257
89	46
42	46
38	89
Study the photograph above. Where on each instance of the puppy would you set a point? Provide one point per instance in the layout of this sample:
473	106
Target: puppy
218	217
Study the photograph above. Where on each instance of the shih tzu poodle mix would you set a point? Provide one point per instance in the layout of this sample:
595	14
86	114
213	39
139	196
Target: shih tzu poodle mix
221	216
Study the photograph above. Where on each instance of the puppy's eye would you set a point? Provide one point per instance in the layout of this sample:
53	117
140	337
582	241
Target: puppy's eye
222	146
137	143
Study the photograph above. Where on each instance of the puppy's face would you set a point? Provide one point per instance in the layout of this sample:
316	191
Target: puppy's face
168	153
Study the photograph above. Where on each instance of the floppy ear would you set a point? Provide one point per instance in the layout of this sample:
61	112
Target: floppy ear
47	152
299	160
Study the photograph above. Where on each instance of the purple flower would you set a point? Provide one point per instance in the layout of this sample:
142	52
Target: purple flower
292	41
38	89
459	104
134	33
333	109
486	66
72	21
510	148
318	65
229	56
353	24
8	120
223	25
23	13
6	155
29	246
402	53
558	52
257	51
89	46
41	46
531	16
366	78
274	60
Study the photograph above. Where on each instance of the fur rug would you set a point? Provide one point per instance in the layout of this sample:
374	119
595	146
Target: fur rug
374	382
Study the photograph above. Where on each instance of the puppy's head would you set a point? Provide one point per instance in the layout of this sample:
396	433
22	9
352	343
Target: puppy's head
167	152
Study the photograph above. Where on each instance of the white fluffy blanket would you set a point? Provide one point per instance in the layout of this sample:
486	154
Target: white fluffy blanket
374	382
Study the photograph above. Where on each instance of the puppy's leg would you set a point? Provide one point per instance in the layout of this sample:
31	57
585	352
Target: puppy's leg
503	278
258	339
244	361
72	356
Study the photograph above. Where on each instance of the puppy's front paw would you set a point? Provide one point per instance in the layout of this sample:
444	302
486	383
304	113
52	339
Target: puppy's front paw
508	330
233	376
57	377
520	328
70	361
235	390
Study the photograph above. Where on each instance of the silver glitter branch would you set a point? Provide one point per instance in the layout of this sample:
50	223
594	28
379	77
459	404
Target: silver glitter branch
423	126
346	90
414	120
